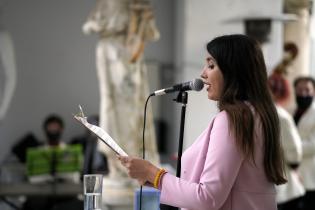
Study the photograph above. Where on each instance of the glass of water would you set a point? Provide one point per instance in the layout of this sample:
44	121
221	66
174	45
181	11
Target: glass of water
93	184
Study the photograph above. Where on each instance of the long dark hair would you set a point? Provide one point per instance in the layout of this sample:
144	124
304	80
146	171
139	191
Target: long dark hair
245	80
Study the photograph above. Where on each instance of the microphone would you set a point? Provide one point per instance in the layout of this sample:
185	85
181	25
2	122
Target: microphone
196	84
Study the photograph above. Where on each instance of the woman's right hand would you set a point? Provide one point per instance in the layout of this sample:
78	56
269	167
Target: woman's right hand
139	169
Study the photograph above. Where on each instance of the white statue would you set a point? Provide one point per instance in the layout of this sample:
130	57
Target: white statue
8	68
123	27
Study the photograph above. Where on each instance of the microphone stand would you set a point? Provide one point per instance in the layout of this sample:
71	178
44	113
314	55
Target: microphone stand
182	98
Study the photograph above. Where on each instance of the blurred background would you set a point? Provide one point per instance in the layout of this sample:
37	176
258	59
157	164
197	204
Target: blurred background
56	70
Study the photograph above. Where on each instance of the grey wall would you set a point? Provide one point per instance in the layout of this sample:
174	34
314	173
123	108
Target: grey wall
55	63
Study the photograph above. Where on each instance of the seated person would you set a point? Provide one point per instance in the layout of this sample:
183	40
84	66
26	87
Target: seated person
50	157
55	160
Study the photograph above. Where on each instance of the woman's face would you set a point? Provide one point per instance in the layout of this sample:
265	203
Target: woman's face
213	78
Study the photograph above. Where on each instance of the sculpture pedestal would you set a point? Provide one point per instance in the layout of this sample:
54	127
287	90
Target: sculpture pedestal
118	194
118	207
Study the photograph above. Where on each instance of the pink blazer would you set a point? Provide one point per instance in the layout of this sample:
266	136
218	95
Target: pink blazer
215	175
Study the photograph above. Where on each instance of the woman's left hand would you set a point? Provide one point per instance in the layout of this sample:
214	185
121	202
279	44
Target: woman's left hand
139	169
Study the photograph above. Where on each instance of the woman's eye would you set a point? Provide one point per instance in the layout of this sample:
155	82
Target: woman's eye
211	66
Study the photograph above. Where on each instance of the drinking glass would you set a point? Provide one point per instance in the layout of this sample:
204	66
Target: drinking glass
93	184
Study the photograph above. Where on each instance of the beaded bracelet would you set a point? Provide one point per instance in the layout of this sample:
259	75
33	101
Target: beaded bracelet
157	178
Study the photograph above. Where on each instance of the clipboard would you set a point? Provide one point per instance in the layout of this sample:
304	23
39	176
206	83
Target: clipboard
100	133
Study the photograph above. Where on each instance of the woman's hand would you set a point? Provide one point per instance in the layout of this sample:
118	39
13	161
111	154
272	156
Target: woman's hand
139	169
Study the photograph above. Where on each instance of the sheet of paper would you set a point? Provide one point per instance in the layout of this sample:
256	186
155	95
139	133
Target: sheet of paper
100	133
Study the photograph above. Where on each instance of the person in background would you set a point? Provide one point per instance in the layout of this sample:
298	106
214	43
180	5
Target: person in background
289	194
304	117
53	127
237	160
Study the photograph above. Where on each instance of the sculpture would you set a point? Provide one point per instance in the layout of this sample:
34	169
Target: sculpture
123	27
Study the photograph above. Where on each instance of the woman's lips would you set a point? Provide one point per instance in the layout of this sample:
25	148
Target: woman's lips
207	86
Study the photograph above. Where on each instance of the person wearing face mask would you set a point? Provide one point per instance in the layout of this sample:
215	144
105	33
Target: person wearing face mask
236	162
53	127
304	117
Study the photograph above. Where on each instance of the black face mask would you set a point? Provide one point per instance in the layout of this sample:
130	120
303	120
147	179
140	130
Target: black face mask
304	102
53	137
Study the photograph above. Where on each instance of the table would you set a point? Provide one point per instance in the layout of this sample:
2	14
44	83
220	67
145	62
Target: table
38	190
43	189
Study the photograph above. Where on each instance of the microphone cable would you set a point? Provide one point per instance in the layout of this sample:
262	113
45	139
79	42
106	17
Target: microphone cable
143	143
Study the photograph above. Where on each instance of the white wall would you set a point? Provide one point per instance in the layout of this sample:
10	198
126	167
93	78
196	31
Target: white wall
199	22
56	63
312	48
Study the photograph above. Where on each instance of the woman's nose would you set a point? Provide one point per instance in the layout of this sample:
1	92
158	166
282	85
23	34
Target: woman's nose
203	74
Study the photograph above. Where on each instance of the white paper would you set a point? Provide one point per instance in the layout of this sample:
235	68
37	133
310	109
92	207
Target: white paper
100	133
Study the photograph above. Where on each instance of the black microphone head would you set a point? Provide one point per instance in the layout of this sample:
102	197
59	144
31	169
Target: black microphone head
196	84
